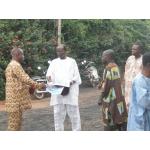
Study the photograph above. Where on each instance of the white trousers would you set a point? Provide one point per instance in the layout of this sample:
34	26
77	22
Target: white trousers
60	111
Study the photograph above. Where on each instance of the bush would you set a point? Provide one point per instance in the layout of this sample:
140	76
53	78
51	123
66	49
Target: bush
83	38
3	65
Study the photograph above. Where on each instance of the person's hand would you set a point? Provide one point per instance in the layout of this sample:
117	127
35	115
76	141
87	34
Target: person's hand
100	99
99	86
42	85
31	89
128	104
72	82
49	78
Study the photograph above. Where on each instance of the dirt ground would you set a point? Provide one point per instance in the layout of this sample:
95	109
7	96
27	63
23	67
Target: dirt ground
40	117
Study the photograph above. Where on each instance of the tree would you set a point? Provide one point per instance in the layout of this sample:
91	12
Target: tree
83	38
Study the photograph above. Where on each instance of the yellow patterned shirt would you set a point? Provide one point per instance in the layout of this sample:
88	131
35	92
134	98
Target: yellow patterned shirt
17	88
132	68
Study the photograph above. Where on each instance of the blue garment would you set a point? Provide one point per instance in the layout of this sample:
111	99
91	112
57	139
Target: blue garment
139	110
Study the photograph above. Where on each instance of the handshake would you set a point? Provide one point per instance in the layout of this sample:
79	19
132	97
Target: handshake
42	85
39	86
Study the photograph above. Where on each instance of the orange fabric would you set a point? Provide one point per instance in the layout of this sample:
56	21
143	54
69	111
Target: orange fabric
17	88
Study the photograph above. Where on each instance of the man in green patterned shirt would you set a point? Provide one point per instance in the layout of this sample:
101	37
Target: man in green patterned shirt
112	99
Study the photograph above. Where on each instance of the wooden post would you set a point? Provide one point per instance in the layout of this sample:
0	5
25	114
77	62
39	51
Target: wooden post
59	31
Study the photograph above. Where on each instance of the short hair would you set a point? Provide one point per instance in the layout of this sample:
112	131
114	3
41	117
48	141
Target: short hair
109	52
15	51
139	44
146	59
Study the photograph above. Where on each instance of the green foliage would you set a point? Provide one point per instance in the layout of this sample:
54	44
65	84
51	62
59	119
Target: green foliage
35	37
99	35
83	38
3	64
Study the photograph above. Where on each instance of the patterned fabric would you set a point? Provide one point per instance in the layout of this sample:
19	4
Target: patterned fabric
113	103
132	68
60	112
14	121
17	88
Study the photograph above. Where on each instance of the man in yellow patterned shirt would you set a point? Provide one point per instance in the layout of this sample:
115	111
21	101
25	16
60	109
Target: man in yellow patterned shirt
17	90
132	68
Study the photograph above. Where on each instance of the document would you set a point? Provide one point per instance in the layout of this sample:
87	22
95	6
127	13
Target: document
54	90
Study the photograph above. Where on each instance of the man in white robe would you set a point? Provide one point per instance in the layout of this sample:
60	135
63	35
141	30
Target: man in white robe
64	71
132	69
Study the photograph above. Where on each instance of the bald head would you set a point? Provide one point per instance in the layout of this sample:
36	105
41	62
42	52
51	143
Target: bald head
17	54
61	51
61	46
136	49
16	51
108	56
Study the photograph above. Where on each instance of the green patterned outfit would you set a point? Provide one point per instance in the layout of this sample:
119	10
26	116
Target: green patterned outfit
113	103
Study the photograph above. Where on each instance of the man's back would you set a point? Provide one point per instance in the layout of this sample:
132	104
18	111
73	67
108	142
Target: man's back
17	92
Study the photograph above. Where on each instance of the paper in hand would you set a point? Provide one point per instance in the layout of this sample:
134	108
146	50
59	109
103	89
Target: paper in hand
54	90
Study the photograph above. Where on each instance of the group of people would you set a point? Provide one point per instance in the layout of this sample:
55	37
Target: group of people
129	110
63	71
126	107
